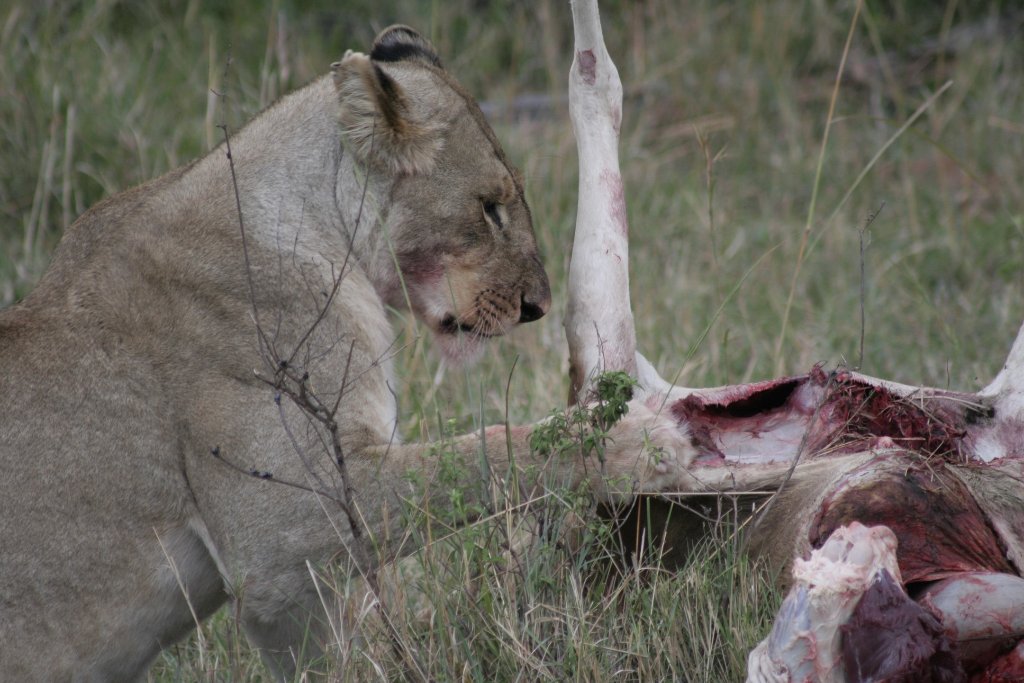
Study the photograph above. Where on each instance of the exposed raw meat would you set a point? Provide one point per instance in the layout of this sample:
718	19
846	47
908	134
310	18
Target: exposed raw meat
847	618
889	637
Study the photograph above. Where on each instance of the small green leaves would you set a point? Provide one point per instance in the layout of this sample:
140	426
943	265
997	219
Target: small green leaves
584	429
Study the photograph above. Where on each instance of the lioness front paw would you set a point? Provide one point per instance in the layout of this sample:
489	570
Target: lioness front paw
647	452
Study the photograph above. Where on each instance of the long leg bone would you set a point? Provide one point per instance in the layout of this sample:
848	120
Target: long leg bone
599	321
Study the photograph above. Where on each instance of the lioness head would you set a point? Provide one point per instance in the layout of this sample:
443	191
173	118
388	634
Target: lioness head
459	235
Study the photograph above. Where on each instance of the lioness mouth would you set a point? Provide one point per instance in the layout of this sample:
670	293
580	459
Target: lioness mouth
451	325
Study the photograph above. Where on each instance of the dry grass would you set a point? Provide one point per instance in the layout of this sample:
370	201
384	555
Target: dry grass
726	108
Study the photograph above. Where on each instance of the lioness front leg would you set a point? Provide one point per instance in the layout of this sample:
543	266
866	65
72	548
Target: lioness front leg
647	451
642	452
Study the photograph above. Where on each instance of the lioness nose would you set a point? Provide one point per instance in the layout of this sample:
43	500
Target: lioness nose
535	297
529	311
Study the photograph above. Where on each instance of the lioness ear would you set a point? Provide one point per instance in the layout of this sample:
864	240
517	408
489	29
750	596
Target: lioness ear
377	120
400	43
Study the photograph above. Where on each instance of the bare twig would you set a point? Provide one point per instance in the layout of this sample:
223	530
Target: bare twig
344	265
264	475
245	245
293	382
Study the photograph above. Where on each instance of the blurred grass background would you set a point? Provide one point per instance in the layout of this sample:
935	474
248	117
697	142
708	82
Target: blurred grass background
726	104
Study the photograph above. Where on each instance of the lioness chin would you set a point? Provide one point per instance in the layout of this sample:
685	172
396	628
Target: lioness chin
150	341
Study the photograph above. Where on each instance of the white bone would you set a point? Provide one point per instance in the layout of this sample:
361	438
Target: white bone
599	322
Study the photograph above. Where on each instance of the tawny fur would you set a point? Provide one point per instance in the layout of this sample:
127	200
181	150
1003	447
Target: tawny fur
137	355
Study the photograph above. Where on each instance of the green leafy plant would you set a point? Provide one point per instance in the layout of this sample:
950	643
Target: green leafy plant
583	429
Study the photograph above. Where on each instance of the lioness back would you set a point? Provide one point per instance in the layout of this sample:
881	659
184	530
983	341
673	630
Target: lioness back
87	447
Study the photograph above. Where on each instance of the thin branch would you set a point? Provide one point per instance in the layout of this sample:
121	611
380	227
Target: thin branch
245	244
288	382
344	382
269	476
306	462
348	255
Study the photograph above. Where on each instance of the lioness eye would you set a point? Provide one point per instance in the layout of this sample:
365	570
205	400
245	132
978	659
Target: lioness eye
491	209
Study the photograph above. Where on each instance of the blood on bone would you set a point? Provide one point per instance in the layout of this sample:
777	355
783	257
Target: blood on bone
805	642
611	182
883	442
867	411
1006	434
759	422
587	63
889	637
925	481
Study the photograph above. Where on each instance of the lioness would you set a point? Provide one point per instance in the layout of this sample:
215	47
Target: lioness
146	346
